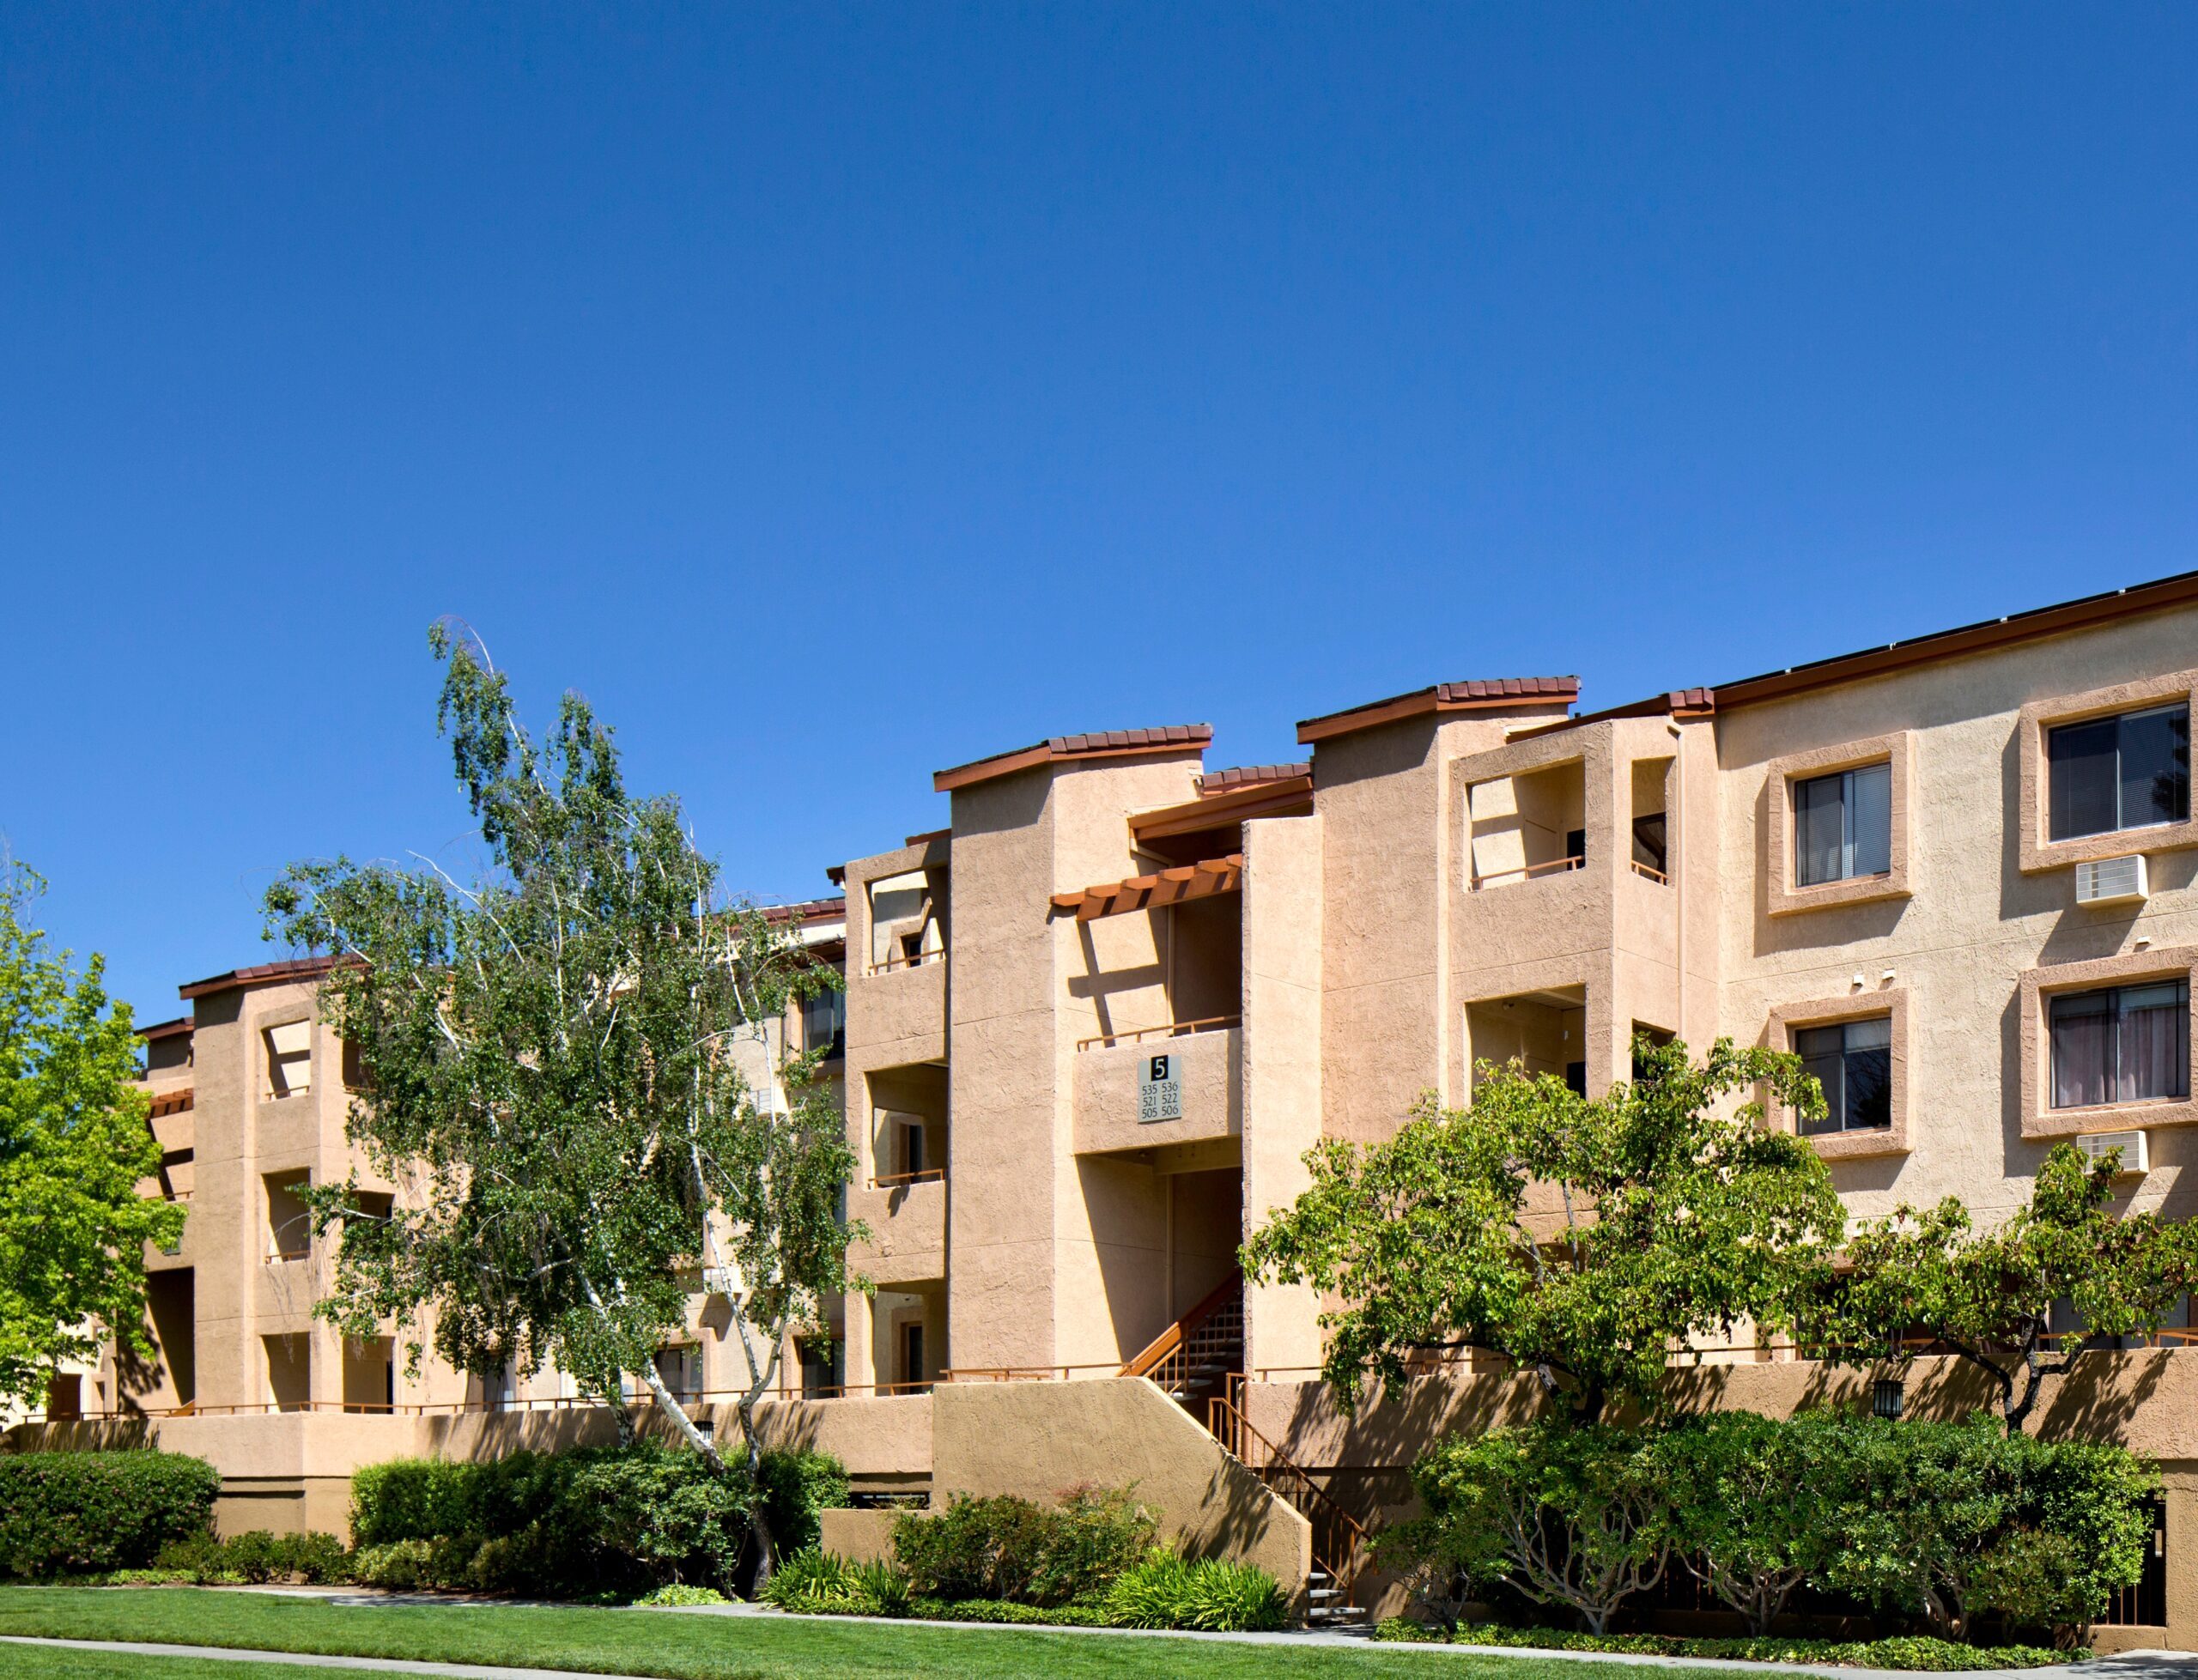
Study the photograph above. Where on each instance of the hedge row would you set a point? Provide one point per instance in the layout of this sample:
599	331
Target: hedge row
87	1513
1922	1654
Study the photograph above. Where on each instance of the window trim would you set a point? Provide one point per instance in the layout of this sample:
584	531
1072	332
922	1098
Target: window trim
2036	852
2042	1122
1785	1019
1786	898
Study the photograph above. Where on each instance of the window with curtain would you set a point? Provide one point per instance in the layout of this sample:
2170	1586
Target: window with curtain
2130	771
1842	825
825	1022
2122	1044
1853	1061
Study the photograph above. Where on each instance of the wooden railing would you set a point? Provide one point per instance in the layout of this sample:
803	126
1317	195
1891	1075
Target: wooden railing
912	959
1648	874
1339	1540
895	1181
1173	1029
1554	866
1172	1358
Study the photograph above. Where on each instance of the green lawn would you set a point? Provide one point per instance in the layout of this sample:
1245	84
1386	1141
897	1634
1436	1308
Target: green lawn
680	1648
37	1662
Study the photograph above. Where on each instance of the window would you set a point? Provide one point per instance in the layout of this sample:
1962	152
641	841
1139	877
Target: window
1650	848
290	1058
2124	1044
1853	1061
822	1366
2106	774
680	1368
825	1022
1842	826
911	1352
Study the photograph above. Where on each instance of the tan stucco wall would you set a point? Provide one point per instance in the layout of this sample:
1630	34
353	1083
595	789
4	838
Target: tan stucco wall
1210	1067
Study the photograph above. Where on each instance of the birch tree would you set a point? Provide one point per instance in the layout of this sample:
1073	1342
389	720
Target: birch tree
549	1068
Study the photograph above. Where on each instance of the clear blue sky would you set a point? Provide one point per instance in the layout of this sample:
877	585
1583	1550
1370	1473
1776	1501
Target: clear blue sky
835	394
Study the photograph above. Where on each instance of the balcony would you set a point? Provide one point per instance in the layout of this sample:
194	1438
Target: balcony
906	1217
1199	1100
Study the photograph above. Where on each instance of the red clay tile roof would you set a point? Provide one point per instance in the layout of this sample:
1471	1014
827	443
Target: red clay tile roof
809	910
263	974
1490	694
179	1027
1107	744
1250	775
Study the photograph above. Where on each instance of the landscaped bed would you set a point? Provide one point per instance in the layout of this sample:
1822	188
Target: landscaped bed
1905	1652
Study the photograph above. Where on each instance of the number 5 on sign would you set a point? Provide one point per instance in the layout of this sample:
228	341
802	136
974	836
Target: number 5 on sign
1159	1091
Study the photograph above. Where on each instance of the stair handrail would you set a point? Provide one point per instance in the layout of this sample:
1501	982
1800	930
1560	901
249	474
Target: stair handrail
1170	1339
1227	1424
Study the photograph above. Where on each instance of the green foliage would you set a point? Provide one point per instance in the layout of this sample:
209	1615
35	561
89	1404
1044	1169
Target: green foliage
1744	1495
679	1596
1916	1277
1016	1549
555	1058
818	1583
1951	1522
404	1566
585	1522
82	1513
1211	1595
796	1486
1680	1217
1011	1615
1570	1514
75	1142
1922	1654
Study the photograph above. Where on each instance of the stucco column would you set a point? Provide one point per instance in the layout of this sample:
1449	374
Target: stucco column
858	1352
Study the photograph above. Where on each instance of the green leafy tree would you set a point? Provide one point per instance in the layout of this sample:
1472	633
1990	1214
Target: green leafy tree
1580	1240
553	1074
1562	1513
1918	1279
1747	1495
75	1142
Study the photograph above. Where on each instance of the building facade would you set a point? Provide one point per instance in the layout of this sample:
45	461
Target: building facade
1092	1025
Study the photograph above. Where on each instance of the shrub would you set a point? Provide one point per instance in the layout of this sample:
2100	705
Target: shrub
814	1583
678	1596
1914	1653
402	1565
796	1487
82	1513
592	1521
1212	1596
319	1558
994	1609
255	1556
1151	1593
1225	1597
1018	1550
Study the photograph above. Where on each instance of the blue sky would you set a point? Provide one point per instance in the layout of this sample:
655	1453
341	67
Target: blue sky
833	394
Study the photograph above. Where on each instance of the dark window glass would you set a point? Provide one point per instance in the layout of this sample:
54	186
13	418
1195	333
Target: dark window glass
1575	844
825	1022
2125	1044
1649	845
2126	772
1576	1078
1842	825
1853	1061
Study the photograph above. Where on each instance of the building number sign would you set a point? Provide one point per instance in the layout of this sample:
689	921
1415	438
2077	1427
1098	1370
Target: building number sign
1159	1090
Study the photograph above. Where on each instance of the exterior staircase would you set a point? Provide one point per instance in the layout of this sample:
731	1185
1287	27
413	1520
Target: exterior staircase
1198	1362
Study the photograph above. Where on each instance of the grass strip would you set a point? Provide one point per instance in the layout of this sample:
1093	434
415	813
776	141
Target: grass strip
684	1647
47	1662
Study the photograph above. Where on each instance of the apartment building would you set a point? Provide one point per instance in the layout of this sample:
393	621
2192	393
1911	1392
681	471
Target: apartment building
1092	1024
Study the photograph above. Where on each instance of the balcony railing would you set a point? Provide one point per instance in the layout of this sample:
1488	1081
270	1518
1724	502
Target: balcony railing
912	959
1648	874
1174	1029
1529	872
896	1180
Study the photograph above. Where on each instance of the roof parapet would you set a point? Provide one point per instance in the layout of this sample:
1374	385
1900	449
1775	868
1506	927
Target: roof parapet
1478	694
1107	743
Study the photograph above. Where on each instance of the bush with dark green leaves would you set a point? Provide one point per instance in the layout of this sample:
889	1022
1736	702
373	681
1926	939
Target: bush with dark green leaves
817	1583
1019	1551
1922	1654
592	1522
72	1514
1959	1526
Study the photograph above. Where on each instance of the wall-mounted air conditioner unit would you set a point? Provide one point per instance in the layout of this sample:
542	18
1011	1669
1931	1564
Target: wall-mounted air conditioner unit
2097	1145
2110	880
